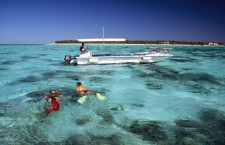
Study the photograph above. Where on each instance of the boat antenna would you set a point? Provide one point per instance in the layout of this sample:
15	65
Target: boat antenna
75	36
103	35
103	31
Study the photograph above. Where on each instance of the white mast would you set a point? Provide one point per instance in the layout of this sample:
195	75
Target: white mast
75	36
103	35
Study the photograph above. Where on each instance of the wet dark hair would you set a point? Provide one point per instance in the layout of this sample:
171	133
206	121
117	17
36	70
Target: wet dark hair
79	83
83	43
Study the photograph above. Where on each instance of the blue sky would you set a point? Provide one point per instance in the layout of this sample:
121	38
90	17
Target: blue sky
45	21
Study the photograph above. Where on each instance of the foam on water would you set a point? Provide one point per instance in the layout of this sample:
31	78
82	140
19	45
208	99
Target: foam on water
146	103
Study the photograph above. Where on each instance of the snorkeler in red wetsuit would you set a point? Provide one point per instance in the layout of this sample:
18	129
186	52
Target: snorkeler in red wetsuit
55	104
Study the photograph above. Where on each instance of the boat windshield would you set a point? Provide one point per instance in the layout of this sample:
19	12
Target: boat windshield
164	50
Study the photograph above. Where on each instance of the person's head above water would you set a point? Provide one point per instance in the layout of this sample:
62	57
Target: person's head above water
53	92
83	44
79	84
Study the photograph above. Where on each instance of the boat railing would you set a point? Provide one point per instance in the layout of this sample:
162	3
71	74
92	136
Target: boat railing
163	50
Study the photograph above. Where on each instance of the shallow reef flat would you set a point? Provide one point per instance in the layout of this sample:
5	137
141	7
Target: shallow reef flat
179	101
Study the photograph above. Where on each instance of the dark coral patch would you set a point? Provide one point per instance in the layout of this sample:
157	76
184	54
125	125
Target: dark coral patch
26	57
149	130
182	59
98	79
8	62
197	88
154	85
28	79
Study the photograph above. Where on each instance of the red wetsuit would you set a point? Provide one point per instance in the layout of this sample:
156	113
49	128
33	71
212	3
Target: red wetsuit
55	106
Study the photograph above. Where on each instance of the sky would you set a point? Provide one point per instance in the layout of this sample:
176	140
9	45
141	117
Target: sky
45	21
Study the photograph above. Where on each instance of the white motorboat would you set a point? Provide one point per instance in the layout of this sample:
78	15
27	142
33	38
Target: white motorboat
153	55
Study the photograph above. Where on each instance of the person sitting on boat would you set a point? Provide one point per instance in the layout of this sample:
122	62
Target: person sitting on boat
82	50
53	99
164	50
81	90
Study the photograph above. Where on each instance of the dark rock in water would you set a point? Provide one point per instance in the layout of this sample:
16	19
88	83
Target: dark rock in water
114	109
49	143
64	74
23	134
107	117
198	77
37	95
26	57
4	69
49	74
106	72
43	54
8	62
215	119
138	105
128	66
192	132
154	85
97	79
120	107
146	75
78	140
188	124
158	72
87	73
74	77
186	69
209	131
212	116
182	59
29	79
2	114
149	130
82	121
198	88
114	139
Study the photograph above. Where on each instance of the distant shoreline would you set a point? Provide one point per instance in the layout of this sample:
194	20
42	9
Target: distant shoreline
141	42
126	44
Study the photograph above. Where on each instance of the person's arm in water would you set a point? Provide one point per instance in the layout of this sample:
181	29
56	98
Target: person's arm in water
86	89
44	99
58	96
77	90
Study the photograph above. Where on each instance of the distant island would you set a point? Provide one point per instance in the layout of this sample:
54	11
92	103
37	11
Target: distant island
159	42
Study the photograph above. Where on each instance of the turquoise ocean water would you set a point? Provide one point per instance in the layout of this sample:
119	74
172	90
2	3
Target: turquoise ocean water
177	101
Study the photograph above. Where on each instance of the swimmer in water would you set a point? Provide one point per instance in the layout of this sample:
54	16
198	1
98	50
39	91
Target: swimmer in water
53	99
81	90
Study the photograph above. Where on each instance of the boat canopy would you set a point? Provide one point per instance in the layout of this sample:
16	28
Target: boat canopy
101	40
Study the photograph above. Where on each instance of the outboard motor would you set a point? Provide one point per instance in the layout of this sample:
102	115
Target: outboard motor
67	59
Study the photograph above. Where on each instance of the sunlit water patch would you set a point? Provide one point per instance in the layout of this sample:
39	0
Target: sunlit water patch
177	101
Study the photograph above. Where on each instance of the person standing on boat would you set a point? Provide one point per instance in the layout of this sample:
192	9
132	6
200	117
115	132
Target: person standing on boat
82	48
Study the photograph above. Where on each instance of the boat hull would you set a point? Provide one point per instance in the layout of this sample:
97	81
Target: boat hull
119	59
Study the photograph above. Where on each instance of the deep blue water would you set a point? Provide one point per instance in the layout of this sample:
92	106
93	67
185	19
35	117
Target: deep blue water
177	101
